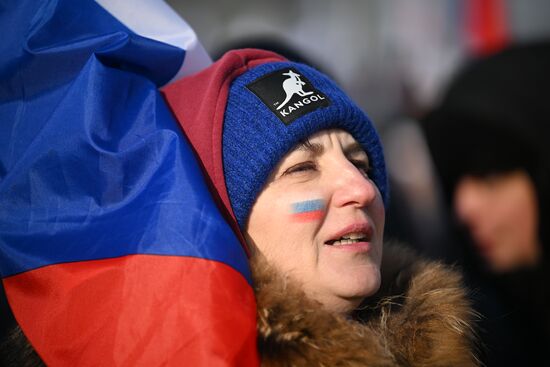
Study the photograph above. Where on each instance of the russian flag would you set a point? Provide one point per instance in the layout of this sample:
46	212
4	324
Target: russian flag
112	250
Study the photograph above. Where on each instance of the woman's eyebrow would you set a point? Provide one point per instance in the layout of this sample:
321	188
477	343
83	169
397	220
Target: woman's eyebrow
354	149
313	148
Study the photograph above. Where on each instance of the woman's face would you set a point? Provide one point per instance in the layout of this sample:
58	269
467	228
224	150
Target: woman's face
320	220
501	213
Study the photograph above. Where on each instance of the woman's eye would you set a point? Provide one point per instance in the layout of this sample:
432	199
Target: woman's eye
300	168
362	166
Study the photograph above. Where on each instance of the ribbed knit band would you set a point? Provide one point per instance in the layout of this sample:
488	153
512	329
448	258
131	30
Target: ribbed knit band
254	139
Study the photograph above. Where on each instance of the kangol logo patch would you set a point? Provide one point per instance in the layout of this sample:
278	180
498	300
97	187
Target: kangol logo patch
288	94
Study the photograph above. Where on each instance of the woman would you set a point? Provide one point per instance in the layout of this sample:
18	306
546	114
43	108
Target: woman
299	169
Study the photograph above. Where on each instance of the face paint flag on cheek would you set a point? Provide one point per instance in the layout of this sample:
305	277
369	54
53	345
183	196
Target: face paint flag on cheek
308	210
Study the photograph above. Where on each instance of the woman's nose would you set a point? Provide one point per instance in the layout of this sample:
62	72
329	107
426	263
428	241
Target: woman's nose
353	187
468	200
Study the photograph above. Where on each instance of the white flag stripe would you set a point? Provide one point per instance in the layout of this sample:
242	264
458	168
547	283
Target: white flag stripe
157	20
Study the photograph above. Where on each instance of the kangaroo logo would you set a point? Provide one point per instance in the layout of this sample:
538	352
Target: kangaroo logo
293	85
288	93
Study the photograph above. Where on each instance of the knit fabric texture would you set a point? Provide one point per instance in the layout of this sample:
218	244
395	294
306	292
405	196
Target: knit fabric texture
254	139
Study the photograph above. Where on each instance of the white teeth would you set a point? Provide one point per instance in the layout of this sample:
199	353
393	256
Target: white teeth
345	242
353	236
349	239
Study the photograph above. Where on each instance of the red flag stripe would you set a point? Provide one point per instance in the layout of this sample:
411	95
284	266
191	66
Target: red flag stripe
138	310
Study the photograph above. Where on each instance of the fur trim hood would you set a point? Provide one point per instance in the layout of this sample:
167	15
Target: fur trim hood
420	317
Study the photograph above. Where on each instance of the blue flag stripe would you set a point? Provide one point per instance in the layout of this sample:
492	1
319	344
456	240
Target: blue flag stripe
92	163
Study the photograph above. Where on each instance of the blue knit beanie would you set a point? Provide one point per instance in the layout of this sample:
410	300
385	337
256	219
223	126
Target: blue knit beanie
271	108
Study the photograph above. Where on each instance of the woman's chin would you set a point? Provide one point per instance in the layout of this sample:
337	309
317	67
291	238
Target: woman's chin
359	284
343	306
349	295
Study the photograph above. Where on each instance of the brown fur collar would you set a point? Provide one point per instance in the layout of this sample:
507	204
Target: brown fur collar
420	317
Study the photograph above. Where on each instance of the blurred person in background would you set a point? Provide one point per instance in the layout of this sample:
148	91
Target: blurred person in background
489	140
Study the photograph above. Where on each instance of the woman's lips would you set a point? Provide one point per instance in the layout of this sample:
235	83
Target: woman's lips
354	237
355	247
483	241
484	246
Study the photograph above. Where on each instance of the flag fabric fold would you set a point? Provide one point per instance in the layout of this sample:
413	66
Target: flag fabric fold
112	250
